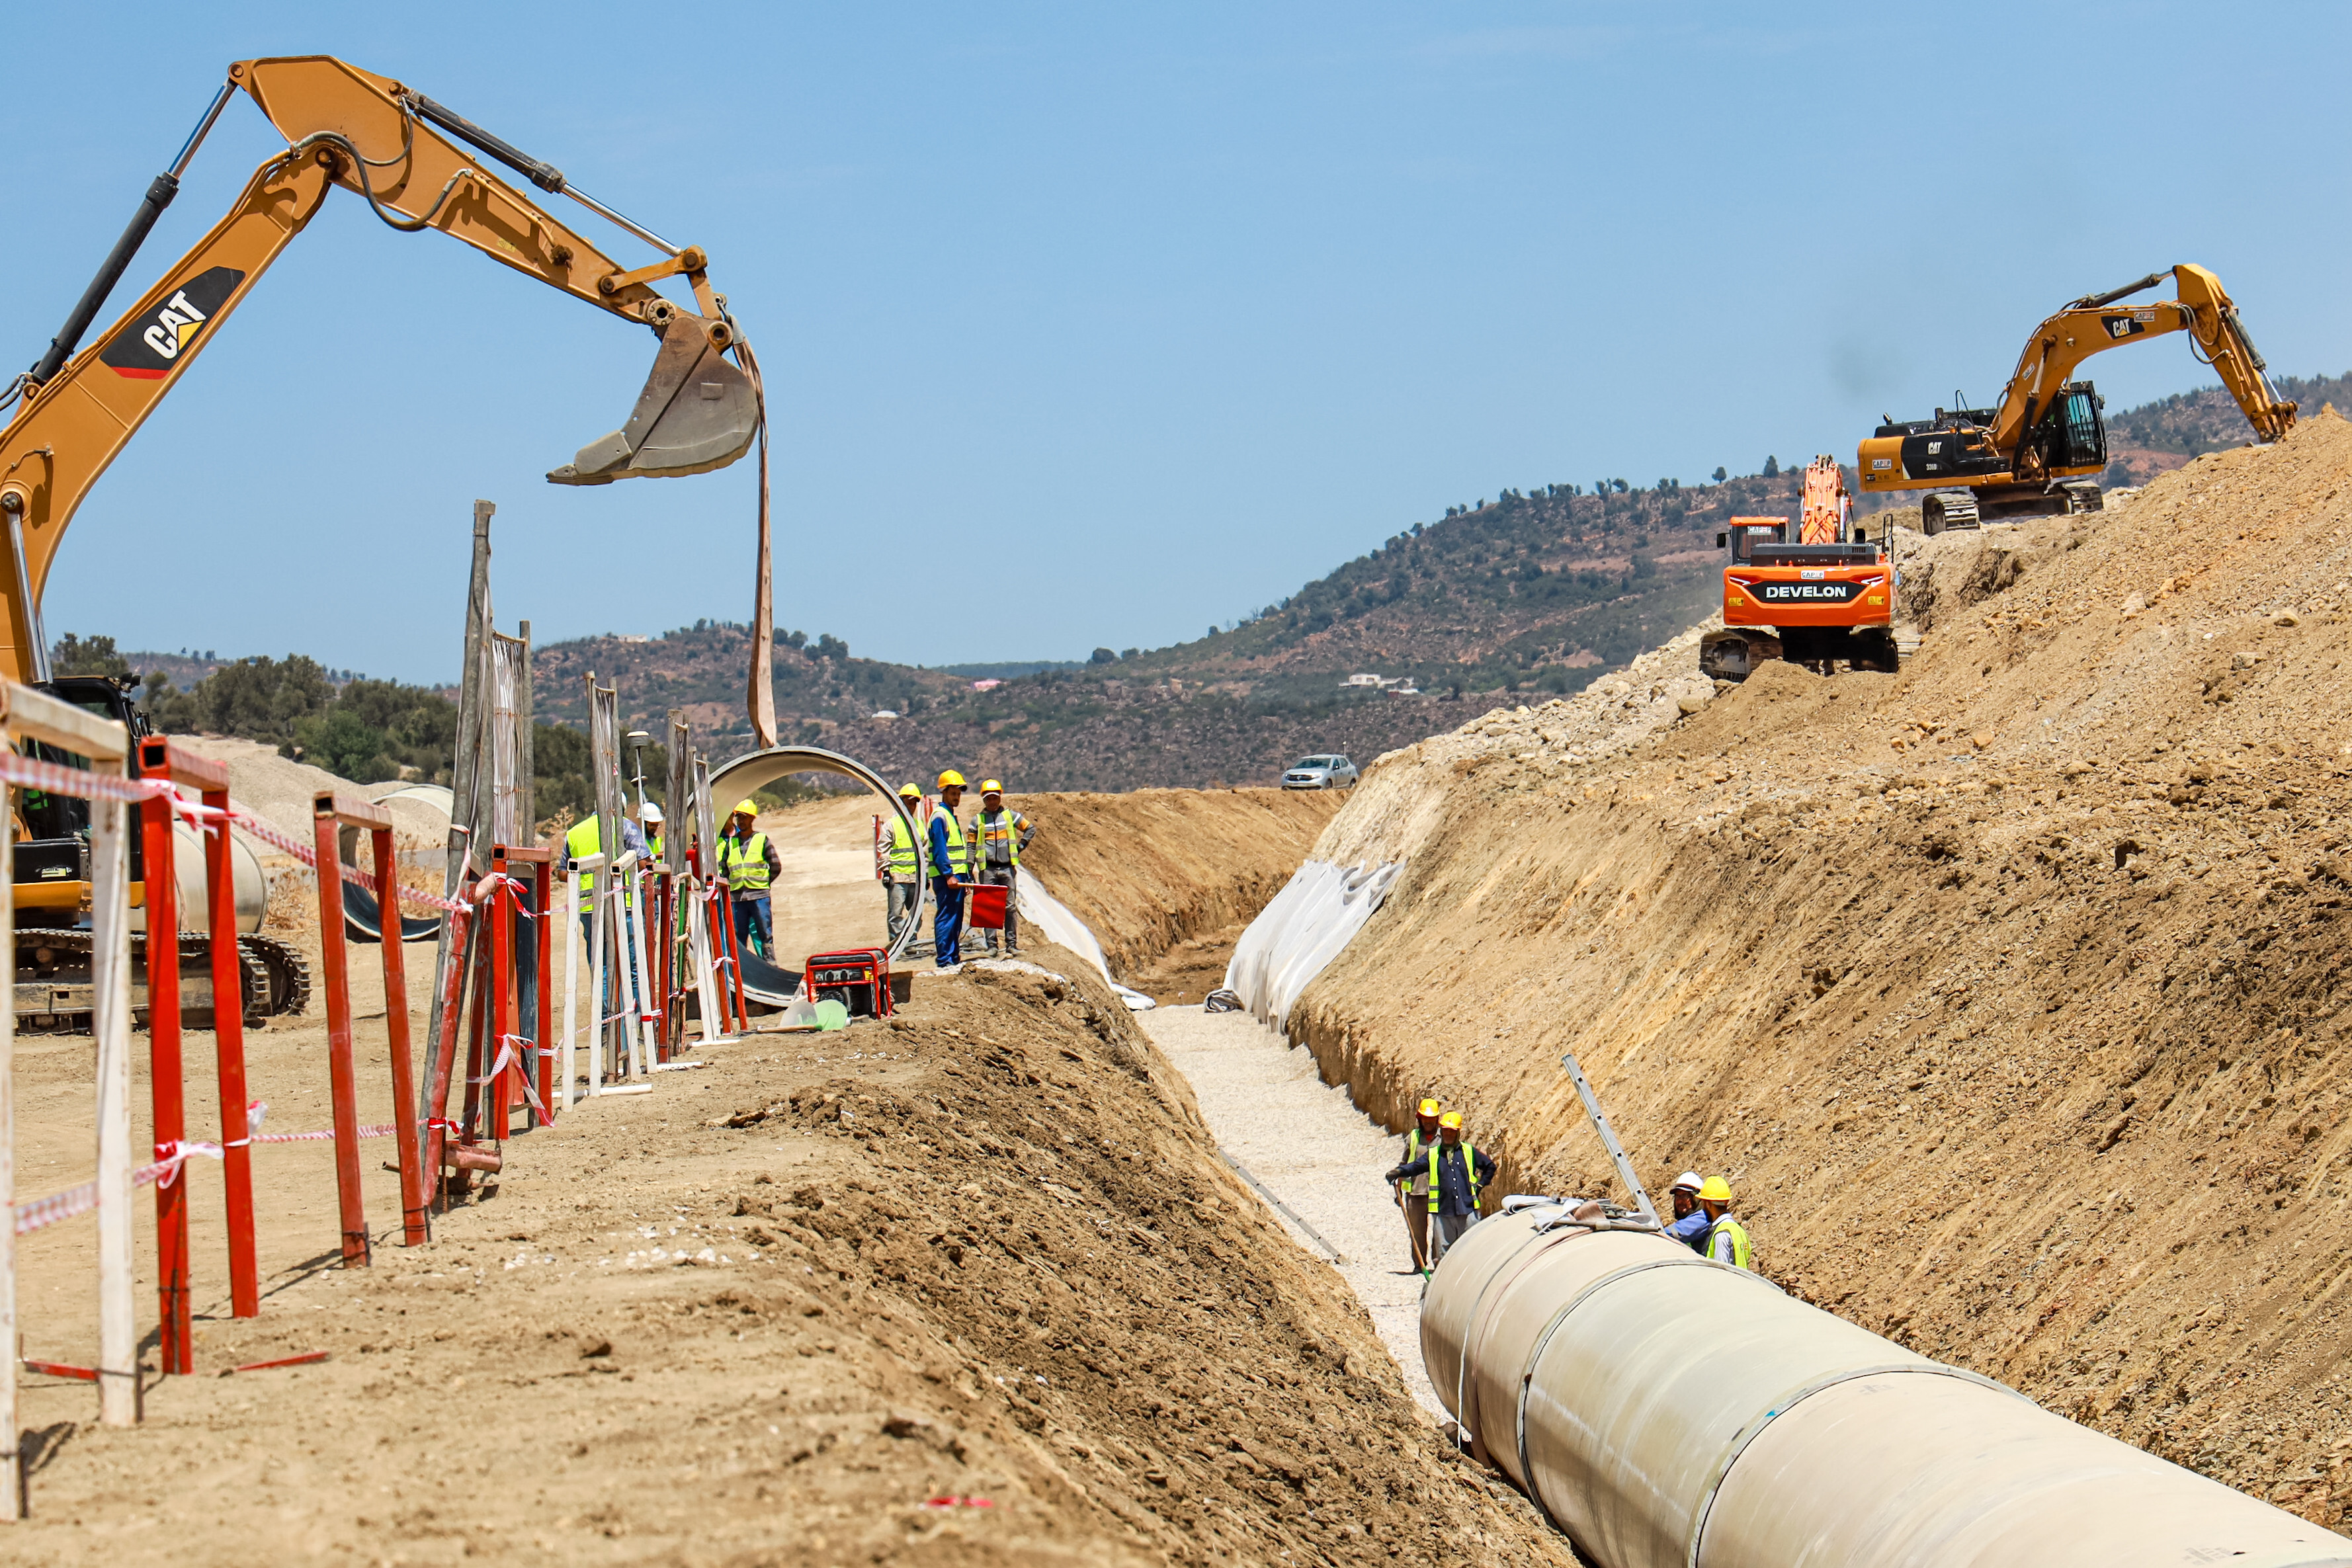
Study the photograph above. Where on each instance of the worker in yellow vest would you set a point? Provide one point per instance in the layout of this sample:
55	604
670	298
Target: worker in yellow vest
1457	1171
900	860
579	844
998	837
950	866
747	861
1727	1239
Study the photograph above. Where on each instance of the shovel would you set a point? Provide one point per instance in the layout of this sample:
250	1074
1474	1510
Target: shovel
698	411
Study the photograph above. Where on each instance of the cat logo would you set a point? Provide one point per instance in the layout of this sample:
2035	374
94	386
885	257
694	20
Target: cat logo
2132	326
148	348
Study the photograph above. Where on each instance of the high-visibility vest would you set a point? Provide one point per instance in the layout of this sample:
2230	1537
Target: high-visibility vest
989	833
905	860
1413	1146
1469	1169
578	844
1741	1250
744	863
958	852
653	845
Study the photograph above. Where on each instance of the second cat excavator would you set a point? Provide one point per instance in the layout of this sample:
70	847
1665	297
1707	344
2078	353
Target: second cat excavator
2039	449
417	165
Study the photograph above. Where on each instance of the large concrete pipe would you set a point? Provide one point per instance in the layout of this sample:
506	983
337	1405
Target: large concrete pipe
1670	1412
188	863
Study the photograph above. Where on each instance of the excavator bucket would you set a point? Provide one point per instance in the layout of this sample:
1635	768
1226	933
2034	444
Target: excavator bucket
698	412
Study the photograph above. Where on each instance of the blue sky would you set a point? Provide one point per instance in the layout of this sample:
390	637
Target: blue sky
1093	324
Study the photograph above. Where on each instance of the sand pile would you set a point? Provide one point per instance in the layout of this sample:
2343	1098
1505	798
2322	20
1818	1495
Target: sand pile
2010	990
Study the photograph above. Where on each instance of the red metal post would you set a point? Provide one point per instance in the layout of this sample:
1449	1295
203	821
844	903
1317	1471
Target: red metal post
228	1049
502	988
329	813
162	905
413	1230
722	904
543	1033
453	995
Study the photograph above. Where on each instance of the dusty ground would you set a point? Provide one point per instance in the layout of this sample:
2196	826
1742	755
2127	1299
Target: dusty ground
2009	991
1268	1108
1189	970
970	1287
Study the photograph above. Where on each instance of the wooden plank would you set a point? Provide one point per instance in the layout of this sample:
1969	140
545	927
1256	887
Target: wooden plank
110	918
36	716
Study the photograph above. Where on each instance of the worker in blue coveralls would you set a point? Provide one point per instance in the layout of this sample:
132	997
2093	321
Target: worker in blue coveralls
950	863
1690	1224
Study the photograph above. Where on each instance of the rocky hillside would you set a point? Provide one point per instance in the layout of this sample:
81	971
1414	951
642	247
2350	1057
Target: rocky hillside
2010	992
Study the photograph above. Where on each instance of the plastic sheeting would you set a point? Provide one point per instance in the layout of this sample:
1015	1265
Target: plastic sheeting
1052	919
1308	925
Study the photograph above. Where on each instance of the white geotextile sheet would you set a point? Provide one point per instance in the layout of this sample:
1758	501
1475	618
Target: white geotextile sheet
1309	922
1052	920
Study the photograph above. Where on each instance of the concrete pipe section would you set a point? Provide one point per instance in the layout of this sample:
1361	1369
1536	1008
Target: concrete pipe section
1670	1412
746	776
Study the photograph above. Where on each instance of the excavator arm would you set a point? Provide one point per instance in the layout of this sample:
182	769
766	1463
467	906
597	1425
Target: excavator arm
400	153
2099	321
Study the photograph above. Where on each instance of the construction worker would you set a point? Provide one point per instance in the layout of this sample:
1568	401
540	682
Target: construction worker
1690	1222
1457	1171
950	865
1727	1239
998	837
651	819
747	861
582	842
902	863
1412	1193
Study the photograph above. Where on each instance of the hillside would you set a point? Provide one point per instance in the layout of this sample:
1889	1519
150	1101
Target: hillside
1534	591
2009	992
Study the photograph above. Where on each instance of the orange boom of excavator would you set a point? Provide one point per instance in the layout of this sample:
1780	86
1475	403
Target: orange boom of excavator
1824	596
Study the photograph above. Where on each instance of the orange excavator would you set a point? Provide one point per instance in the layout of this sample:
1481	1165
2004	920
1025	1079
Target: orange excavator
1823	597
418	166
2037	452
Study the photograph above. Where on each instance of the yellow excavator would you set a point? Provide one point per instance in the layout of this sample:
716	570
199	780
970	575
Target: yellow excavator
2034	453
417	166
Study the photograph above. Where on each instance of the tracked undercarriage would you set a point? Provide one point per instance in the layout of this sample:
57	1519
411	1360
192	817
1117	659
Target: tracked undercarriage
55	994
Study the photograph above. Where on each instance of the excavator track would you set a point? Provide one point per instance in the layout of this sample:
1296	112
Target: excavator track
1948	509
54	992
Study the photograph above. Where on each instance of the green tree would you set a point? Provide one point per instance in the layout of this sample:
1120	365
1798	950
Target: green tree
87	656
1771	467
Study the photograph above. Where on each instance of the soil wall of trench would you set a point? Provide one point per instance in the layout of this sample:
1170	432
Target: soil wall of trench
2009	991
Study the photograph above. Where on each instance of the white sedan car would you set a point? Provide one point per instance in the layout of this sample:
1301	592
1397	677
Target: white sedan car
1319	773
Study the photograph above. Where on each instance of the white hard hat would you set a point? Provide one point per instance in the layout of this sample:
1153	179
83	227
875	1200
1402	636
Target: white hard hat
653	813
1687	1182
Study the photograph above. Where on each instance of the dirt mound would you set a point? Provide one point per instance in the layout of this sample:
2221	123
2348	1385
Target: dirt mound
1150	868
970	1287
2009	991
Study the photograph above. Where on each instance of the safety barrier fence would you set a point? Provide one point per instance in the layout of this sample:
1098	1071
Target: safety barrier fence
163	782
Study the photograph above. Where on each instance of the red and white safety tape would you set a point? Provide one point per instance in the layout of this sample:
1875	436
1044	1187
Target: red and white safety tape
39	1213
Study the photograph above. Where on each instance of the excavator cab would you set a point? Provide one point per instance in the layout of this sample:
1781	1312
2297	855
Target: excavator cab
2072	433
53	831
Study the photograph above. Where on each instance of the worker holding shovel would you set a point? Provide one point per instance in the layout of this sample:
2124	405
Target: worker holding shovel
1458	1169
1412	1193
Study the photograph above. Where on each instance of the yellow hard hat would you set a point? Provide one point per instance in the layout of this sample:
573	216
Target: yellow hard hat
745	809
1428	1108
951	778
1715	1190
990	787
910	791
1451	1119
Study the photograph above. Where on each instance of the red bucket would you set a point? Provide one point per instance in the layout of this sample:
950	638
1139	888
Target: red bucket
984	904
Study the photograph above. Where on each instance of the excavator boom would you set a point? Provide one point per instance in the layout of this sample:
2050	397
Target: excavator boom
401	153
2032	450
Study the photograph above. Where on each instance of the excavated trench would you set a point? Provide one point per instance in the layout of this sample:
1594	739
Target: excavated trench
2009	991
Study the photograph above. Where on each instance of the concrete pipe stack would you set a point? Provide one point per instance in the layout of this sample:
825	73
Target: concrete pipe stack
1669	1412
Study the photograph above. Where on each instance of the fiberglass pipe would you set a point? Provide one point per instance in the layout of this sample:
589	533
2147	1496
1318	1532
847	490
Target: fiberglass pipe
1670	1412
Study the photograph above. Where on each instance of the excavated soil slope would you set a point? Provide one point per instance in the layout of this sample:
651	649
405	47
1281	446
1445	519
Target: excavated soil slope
2009	991
1148	869
969	1287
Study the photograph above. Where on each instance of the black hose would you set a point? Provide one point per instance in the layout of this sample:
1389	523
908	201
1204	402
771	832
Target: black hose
159	196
